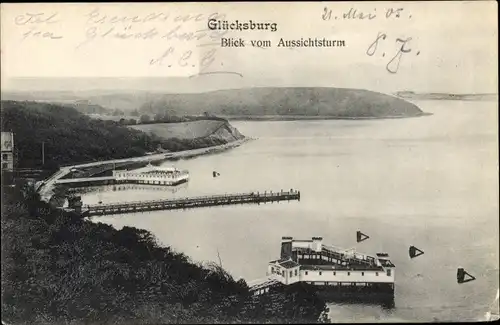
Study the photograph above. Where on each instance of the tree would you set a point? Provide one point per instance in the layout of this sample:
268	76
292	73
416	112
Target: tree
144	119
158	117
49	264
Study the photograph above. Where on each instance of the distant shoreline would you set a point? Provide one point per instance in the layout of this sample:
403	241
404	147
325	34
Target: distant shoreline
310	118
446	96
329	102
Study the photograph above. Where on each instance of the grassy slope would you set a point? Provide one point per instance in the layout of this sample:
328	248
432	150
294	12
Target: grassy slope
184	130
60	269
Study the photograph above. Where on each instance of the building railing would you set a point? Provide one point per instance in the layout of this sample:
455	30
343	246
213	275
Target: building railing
140	175
341	254
351	255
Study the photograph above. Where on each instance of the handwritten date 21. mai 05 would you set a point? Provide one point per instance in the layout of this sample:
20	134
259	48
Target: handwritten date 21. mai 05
398	48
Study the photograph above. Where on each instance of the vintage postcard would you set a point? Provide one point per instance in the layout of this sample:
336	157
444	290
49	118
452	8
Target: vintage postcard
244	162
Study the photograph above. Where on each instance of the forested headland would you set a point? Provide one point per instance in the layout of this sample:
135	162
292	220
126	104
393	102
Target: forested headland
251	103
70	137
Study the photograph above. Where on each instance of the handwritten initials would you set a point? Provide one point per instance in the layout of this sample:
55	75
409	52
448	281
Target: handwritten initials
37	18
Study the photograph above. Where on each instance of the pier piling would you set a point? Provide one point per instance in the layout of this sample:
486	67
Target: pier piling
194	202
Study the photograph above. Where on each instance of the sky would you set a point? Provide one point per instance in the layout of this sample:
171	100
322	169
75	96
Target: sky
168	47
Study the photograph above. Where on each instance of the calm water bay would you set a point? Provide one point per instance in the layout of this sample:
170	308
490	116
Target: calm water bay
431	182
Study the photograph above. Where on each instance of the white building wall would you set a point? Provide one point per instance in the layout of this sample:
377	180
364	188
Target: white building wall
149	178
302	244
290	275
341	276
283	274
317	245
7	143
270	269
7	161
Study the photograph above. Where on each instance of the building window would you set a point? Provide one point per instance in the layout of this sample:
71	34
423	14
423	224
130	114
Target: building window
5	165
4	156
334	273
272	269
306	272
348	273
295	272
362	273
320	273
376	273
389	272
291	274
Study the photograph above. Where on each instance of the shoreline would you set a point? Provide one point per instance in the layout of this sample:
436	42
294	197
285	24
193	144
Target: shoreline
46	188
193	153
258	118
486	97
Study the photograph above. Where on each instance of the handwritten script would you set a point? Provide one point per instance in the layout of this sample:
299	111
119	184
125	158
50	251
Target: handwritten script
355	14
188	41
402	48
37	25
169	28
402	45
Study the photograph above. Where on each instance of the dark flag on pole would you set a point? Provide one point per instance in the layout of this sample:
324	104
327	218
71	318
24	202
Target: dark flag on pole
415	252
461	276
360	236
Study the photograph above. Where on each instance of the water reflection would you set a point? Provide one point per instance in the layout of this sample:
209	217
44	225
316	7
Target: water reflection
127	187
386	304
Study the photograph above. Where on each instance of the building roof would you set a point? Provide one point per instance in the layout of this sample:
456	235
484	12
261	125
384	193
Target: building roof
280	260
334	267
287	263
349	259
155	169
387	263
166	172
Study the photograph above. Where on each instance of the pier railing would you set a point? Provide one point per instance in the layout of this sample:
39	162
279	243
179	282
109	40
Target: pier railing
184	203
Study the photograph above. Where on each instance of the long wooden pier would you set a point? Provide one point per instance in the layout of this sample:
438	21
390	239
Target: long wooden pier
194	202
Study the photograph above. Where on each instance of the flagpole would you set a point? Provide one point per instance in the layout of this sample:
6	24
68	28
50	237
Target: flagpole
43	153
